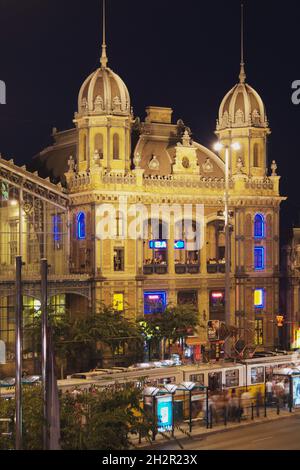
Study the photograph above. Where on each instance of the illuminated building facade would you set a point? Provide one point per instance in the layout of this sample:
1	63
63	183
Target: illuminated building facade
110	158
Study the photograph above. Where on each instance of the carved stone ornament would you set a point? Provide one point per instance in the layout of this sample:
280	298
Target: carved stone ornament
84	104
256	117
239	166
116	104
137	161
274	168
239	117
97	157
98	103
186	140
71	164
154	163
208	166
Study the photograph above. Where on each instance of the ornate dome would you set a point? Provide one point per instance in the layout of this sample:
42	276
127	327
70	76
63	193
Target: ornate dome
103	92
242	107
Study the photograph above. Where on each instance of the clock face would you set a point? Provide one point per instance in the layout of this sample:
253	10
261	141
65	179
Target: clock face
185	162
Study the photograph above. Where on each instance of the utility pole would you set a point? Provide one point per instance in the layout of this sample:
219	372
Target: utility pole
44	298
227	251
18	377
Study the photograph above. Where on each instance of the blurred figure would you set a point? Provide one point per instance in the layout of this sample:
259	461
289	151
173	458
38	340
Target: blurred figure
246	402
233	406
269	392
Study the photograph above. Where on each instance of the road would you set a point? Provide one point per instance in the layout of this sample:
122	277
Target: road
282	434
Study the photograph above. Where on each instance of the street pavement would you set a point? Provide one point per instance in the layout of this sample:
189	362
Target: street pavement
281	434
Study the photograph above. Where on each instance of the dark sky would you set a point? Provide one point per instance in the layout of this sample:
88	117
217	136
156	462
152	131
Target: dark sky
182	54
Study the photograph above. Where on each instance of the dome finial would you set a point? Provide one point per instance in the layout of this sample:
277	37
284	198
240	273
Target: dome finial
242	75
104	59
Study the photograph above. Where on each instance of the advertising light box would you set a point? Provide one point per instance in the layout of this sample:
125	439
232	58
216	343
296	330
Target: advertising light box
164	413
296	391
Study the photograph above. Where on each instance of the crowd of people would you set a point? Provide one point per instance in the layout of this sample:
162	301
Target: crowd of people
277	392
216	261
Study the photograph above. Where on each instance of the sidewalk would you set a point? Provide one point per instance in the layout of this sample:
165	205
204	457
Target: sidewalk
199	429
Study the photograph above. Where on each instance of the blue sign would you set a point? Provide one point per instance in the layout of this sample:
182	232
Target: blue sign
164	413
179	244
155	302
158	244
296	391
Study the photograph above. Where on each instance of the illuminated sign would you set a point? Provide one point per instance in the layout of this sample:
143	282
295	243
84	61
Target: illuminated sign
259	298
179	244
296	391
217	295
279	319
158	244
164	413
297	338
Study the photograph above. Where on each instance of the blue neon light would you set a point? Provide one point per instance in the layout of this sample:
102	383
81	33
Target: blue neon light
158	244
179	244
259	226
81	226
259	258
57	228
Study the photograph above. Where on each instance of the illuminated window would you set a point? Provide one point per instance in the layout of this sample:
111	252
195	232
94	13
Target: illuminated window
119	259
259	258
259	226
258	333
81	226
155	302
259	298
57	228
118	302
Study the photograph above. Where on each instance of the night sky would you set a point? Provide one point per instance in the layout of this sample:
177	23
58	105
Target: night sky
169	53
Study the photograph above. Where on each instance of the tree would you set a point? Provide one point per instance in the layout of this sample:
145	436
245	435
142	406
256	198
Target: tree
175	323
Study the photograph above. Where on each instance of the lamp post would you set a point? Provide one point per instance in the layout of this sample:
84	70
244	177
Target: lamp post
219	146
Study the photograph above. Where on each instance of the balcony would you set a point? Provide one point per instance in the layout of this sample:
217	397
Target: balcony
155	269
187	268
216	267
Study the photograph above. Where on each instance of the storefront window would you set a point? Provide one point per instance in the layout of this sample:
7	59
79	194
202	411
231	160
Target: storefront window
155	302
197	378
258	333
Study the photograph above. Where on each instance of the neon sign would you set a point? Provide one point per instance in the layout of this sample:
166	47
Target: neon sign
179	244
158	244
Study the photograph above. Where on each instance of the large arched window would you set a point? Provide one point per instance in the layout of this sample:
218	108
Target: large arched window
99	145
116	147
256	156
81	226
259	226
84	148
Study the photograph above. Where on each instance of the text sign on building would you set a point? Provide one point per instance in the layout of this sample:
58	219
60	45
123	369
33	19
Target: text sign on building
2	353
164	413
179	245
158	244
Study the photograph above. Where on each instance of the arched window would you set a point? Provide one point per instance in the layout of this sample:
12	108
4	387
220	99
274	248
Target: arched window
84	148
99	144
256	156
259	226
116	147
81	226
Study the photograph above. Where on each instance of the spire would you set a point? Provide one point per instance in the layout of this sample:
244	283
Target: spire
104	59
242	75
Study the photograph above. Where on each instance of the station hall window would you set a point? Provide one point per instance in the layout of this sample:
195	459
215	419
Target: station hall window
259	226
259	298
259	258
155	302
81	226
57	229
118	302
119	259
258	333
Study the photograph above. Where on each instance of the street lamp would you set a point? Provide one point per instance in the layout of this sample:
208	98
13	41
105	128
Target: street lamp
219	146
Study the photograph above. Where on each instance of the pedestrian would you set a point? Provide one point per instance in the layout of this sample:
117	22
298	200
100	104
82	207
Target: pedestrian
246	402
233	406
269	392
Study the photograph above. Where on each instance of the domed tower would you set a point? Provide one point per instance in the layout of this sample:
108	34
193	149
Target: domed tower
242	118
104	119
